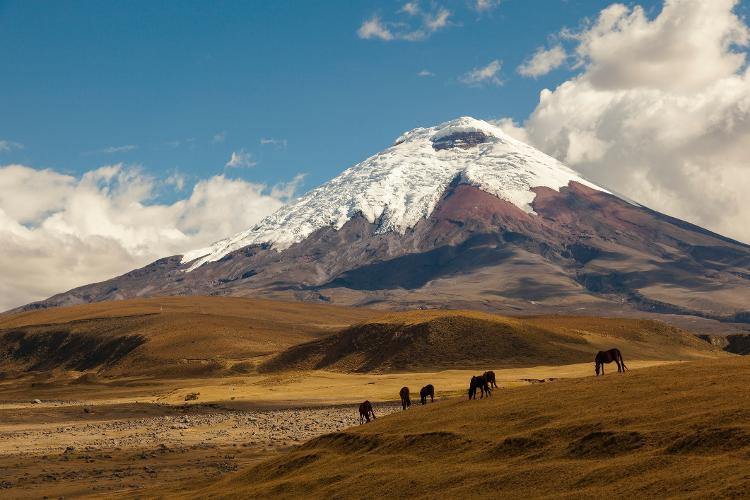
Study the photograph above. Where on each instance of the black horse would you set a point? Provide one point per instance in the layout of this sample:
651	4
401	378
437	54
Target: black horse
427	390
365	410
405	399
479	382
490	377
607	357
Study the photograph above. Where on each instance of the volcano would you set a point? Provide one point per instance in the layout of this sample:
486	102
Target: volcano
460	215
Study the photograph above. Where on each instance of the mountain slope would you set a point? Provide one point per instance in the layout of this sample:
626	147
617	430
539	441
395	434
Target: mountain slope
461	215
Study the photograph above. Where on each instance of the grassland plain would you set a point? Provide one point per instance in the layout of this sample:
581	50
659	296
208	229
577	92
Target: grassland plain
681	430
93	401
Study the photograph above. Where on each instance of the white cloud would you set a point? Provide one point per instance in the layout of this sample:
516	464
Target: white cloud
177	180
269	141
659	111
411	8
240	159
436	21
425	73
513	129
76	230
484	74
374	28
485	5
112	150
6	146
189	143
219	138
543	61
427	23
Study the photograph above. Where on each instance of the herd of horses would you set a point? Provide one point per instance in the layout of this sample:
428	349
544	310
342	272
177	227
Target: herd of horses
485	383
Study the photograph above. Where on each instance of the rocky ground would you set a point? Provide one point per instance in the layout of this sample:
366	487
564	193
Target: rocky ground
112	450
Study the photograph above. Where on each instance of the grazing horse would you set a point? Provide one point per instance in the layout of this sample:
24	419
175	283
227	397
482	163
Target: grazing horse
490	378
365	410
427	390
405	399
479	382
607	357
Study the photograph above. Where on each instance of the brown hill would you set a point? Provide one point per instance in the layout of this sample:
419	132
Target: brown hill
437	340
679	431
165	336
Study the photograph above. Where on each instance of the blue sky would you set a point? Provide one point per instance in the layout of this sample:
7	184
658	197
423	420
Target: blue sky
185	84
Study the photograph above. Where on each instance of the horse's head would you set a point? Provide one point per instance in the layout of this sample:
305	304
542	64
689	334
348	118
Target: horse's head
597	369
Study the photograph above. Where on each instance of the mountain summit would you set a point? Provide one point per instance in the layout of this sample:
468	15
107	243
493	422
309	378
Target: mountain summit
402	185
461	215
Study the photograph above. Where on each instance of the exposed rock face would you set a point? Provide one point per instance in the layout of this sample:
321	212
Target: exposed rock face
463	140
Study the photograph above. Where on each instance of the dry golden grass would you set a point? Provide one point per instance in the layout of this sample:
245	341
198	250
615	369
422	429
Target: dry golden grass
447	339
175	336
188	337
679	430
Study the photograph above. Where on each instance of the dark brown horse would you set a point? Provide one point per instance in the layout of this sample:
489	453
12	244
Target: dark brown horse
479	382
490	378
427	390
405	399
607	357
365	410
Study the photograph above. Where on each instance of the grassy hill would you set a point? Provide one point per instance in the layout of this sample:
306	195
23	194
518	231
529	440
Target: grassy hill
168	337
679	430
446	339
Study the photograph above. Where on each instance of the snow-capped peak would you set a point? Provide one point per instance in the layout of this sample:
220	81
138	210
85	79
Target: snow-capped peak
402	185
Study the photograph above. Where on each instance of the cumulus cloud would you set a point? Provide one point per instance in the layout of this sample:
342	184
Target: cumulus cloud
484	75
659	110
413	25
6	145
240	159
59	231
425	73
543	61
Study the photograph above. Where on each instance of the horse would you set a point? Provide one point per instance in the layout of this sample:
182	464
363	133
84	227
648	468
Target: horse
607	357
405	399
365	410
479	382
490	378
427	390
